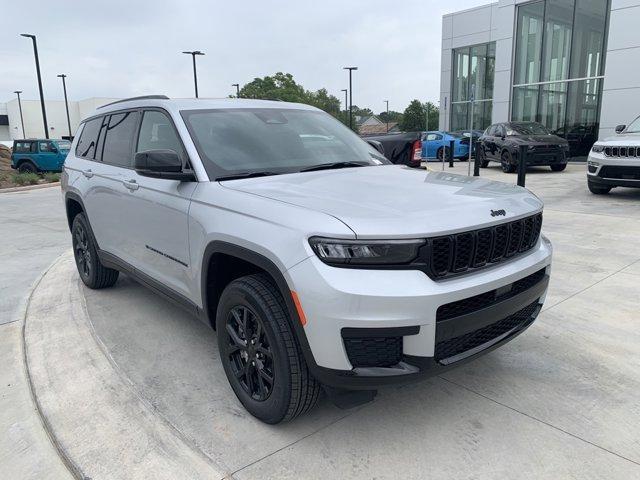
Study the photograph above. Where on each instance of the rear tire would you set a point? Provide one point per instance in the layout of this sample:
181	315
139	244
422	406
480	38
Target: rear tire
507	162
598	189
559	167
484	163
93	274
260	352
27	167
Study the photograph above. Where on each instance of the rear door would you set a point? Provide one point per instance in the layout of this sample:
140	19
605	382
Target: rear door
157	220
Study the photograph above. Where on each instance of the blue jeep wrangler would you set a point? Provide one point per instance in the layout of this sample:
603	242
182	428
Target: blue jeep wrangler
39	155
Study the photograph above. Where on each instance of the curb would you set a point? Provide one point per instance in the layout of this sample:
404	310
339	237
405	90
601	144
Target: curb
29	187
128	422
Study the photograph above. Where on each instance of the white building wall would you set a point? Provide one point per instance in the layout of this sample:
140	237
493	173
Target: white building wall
621	89
56	117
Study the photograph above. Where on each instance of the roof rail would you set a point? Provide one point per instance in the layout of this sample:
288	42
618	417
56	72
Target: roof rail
144	97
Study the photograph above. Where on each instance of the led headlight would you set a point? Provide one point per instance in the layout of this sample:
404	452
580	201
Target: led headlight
365	252
597	148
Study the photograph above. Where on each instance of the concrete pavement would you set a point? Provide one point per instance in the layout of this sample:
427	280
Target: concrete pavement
33	233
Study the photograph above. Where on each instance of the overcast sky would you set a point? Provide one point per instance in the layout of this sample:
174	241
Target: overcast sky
119	48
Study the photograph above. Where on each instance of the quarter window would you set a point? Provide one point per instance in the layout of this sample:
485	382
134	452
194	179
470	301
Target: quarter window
87	143
25	147
118	142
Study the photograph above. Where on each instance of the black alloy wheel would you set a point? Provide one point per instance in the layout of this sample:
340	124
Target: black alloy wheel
249	352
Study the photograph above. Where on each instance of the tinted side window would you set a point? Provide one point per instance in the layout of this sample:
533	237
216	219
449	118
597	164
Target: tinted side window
23	147
45	147
118	142
157	133
86	147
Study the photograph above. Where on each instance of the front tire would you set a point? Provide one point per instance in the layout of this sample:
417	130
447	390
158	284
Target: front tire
93	274
507	162
484	163
260	353
598	189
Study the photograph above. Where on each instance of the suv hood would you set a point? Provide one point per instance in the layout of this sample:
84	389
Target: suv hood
396	201
622	139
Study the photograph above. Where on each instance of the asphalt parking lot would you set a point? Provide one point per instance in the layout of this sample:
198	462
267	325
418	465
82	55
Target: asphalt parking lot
560	401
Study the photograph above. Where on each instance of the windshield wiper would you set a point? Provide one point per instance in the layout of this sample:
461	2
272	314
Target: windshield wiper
329	166
238	176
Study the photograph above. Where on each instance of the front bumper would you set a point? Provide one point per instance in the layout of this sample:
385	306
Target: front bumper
612	171
405	303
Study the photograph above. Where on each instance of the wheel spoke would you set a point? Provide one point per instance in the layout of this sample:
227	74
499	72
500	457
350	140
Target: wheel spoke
264	375
233	335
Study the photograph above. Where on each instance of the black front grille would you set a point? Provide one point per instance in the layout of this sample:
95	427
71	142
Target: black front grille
486	299
373	351
467	251
622	152
620	172
463	343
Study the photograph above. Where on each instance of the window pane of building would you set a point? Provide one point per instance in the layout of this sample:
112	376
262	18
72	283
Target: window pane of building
553	105
529	43
491	68
588	38
581	128
525	104
459	112
478	75
557	40
461	74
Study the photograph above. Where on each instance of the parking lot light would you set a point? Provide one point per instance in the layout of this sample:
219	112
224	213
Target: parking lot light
195	75
18	92
35	52
351	69
237	85
66	102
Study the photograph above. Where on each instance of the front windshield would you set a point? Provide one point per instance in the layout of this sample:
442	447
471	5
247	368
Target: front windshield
64	144
236	141
526	129
634	127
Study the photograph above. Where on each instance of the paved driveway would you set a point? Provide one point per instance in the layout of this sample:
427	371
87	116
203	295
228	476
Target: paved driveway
561	401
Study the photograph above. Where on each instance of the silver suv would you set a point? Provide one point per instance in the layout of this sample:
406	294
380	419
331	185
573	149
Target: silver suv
318	263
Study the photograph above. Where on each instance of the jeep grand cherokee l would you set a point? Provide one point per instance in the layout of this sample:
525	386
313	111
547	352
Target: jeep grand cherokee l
318	263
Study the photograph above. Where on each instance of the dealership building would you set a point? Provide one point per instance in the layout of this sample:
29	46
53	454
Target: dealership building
572	65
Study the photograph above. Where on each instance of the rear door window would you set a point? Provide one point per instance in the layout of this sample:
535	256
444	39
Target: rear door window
46	147
118	140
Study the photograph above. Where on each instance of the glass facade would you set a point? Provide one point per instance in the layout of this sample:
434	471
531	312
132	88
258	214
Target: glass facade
473	68
559	66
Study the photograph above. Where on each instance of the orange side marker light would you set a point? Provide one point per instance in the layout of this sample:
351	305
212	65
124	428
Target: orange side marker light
296	302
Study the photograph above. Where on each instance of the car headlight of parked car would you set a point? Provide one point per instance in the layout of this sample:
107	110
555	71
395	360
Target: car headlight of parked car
365	252
597	148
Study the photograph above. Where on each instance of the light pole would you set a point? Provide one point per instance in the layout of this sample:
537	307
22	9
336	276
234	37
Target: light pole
18	92
237	85
387	102
346	105
351	69
195	75
66	102
35	52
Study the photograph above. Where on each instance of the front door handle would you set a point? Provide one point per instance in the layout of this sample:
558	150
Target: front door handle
88	173
131	184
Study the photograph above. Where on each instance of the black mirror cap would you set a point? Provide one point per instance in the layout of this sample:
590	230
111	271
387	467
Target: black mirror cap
161	164
620	128
377	145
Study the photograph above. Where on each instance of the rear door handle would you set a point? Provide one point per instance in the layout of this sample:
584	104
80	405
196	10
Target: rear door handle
88	173
131	184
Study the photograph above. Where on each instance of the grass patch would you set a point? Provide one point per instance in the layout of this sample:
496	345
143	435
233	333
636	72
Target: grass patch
21	179
51	177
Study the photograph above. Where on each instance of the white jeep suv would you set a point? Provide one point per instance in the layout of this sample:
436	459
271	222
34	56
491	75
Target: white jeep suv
318	262
615	161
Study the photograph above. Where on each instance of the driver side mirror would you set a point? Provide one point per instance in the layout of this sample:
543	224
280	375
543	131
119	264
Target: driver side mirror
164	164
620	128
377	145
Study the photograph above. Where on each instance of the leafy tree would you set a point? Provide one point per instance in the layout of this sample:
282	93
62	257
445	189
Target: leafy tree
414	118
393	116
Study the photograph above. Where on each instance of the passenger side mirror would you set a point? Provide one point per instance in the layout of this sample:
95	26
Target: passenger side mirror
620	128
164	164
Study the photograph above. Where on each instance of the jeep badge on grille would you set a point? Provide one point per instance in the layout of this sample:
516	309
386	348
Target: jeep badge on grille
498	213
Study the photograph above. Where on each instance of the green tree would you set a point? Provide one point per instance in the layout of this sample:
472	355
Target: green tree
414	118
393	116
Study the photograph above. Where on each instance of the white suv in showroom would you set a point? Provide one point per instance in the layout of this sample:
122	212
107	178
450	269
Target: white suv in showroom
615	161
318	262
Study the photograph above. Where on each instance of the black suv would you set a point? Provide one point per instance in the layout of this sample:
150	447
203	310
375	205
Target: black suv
501	142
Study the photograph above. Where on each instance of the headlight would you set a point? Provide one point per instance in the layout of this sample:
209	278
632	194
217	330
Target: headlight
365	252
597	148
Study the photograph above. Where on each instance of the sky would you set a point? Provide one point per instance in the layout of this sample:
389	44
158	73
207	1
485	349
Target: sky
120	48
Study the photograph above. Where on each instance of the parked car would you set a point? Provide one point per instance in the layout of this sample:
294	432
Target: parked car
39	155
580	137
501	142
615	161
319	265
399	148
435	145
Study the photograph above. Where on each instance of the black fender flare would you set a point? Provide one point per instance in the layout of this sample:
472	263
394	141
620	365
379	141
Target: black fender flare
264	263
